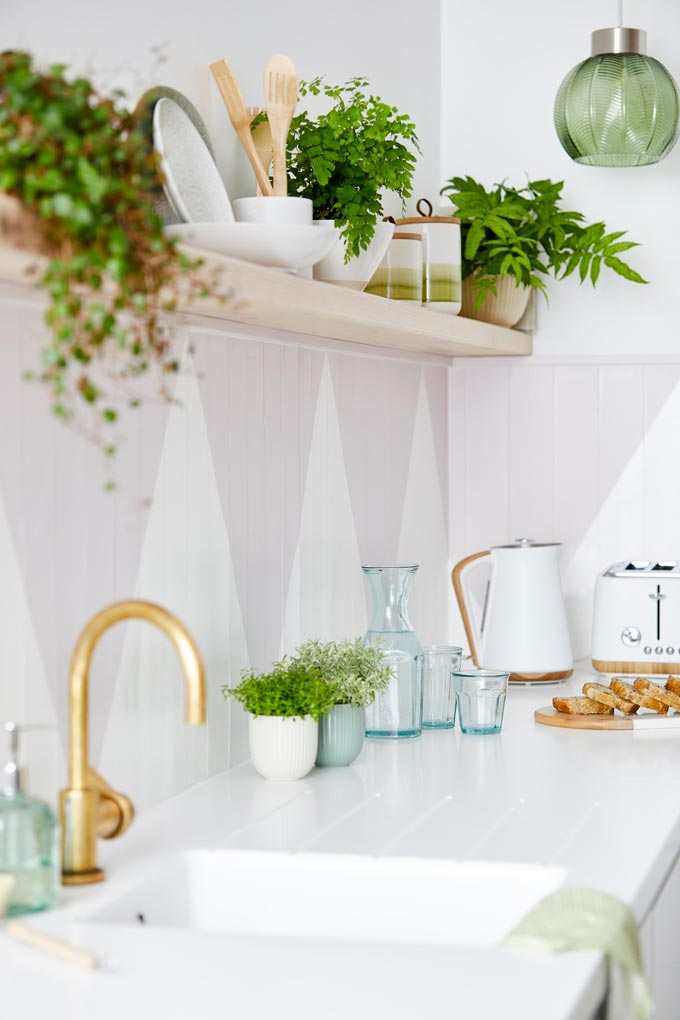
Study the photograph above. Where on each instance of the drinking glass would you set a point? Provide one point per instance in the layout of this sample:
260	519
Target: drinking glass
439	694
480	694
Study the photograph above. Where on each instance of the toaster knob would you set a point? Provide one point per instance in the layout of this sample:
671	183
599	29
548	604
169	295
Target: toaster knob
631	636
658	650
647	649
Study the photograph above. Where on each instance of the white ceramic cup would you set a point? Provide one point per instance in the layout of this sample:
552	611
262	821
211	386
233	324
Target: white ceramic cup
273	209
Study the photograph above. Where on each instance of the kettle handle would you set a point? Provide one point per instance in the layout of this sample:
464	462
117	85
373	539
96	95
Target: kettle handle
459	576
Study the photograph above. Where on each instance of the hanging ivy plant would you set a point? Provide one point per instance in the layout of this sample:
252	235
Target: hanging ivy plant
81	167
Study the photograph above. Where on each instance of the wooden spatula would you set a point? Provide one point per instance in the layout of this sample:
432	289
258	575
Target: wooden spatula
262	139
240	118
281	93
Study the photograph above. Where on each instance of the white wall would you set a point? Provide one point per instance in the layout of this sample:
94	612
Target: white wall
116	41
502	64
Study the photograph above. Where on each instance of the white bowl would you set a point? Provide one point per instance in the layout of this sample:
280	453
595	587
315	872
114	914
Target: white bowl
273	209
279	245
356	273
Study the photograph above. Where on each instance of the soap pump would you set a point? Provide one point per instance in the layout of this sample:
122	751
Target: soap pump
28	838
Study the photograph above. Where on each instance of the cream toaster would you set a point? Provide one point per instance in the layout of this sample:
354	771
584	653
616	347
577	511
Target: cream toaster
636	618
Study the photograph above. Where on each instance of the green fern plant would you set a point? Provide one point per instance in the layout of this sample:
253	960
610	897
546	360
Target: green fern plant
526	234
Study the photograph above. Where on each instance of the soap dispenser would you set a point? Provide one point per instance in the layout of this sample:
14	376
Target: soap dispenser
28	839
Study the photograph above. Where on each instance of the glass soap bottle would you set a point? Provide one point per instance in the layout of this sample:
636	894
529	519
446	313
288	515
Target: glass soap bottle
28	839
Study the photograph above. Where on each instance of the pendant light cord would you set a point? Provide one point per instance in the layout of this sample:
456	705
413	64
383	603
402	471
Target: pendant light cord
620	13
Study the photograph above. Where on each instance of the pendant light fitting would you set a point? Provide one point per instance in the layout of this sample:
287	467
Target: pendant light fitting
619	107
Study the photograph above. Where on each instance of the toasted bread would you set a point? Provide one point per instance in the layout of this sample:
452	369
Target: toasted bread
660	693
626	690
606	696
581	706
673	684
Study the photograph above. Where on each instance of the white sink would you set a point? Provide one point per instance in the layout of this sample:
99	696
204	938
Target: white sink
384	899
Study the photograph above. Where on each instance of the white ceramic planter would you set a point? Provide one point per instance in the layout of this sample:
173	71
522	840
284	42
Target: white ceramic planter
505	308
358	271
283	749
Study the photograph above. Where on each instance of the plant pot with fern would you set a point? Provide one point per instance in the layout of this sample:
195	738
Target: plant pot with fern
514	238
343	160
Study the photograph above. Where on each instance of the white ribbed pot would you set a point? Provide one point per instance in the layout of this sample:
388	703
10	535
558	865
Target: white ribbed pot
505	308
283	749
356	273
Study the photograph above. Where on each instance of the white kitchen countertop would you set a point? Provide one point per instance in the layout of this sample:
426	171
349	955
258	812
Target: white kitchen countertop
605	806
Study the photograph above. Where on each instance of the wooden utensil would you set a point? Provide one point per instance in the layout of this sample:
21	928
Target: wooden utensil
262	139
281	93
240	118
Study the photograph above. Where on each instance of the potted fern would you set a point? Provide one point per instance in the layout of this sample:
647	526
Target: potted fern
283	709
513	238
356	674
343	160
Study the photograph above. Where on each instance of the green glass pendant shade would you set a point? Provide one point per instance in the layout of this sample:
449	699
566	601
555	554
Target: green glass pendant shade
618	109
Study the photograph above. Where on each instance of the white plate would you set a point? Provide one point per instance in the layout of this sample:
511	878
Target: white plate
279	245
191	180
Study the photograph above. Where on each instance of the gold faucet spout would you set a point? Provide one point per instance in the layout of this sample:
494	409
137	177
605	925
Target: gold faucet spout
89	807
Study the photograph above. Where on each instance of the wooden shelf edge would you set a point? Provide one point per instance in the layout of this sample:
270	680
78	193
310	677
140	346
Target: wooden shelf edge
277	300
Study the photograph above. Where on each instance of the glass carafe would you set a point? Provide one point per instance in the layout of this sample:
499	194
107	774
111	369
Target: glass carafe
398	712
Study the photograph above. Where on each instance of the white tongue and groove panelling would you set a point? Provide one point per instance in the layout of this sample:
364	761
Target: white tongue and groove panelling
247	509
581	451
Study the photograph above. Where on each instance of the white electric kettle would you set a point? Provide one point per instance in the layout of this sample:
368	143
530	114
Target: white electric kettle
523	627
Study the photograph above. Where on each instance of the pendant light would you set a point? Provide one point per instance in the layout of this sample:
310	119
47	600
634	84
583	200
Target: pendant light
619	107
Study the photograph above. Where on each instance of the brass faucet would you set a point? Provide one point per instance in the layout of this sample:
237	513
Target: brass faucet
90	808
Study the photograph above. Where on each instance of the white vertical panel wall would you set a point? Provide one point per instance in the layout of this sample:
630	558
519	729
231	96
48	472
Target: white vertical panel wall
583	452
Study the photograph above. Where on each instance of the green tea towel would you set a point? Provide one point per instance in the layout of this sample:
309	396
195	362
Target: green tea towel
588	919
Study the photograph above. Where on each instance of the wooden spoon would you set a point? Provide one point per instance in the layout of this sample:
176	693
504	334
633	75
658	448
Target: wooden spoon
240	118
262	139
281	94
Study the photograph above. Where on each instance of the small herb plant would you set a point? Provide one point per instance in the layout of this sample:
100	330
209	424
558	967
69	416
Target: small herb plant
356	671
345	157
290	690
526	234
81	165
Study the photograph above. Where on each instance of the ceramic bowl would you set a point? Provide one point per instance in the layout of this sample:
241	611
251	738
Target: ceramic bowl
356	273
279	245
273	209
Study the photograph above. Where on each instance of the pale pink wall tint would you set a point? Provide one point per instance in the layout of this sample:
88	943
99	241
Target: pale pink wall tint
228	476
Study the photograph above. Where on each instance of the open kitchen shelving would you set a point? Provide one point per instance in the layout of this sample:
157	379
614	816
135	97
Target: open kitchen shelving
276	300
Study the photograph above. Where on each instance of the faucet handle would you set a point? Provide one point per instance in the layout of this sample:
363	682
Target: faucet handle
115	811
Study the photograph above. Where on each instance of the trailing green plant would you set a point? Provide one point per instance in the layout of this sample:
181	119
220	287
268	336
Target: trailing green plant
80	163
342	159
289	690
526	234
357	671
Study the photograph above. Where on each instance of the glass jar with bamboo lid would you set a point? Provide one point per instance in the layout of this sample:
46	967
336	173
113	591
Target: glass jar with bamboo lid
441	282
399	275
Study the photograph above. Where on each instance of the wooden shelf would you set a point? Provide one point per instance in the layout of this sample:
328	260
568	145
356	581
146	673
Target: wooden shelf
276	300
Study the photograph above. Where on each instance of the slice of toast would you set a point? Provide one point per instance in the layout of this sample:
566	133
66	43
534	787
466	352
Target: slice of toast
673	684
659	693
626	690
581	706
606	696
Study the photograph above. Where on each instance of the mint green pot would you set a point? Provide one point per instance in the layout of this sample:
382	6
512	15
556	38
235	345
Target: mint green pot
341	735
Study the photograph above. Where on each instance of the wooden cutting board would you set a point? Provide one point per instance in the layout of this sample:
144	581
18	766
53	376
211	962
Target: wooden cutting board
549	716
